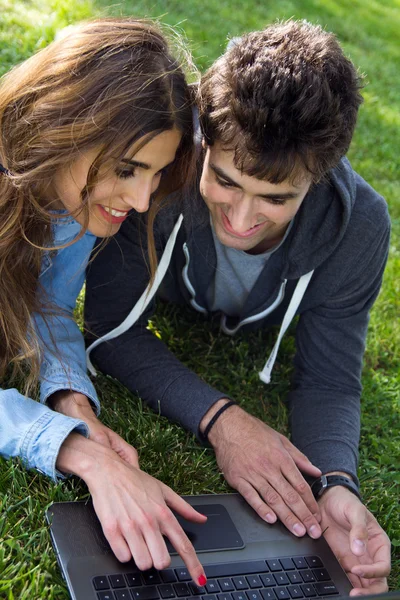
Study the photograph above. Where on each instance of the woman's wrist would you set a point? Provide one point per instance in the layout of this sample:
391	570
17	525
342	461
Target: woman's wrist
70	403
81	456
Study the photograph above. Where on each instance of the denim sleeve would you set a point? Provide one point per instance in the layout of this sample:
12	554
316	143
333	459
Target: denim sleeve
63	364
33	432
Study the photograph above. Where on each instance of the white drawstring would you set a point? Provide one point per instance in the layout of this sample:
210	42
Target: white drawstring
144	299
302	284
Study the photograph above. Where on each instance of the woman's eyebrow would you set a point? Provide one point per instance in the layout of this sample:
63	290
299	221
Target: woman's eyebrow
135	163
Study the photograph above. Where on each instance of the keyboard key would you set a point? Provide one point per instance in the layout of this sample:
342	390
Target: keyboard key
268	580
281	578
226	585
281	593
327	588
240	583
274	565
118	581
239	568
122	594
294	577
148	592
183	574
308	590
133	579
181	589
314	561
196	590
224	596
253	595
268	594
168	576
254	581
101	583
166	590
300	562
151	577
209	597
307	576
105	596
239	596
295	591
287	564
212	586
321	574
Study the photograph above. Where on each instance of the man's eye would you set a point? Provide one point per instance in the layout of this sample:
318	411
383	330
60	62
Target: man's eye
223	183
276	201
125	173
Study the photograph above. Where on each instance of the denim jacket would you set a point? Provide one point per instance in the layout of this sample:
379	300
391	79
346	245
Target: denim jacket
29	429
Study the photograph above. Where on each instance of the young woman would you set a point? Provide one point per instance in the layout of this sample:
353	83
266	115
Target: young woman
91	128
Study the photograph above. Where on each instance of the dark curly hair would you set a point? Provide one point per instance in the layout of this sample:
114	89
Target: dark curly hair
284	99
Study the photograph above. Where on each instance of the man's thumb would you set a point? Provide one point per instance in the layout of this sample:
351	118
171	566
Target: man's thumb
359	532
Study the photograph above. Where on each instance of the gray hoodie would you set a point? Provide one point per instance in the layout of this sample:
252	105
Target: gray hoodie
328	271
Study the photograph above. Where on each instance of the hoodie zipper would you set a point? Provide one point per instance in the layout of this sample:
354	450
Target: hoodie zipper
257	317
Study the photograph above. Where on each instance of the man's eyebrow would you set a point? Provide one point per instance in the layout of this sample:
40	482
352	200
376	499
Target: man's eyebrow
135	163
271	196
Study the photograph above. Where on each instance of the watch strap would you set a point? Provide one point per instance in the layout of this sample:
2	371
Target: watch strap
324	482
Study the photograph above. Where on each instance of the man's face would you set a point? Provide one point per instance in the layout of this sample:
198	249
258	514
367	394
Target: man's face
248	214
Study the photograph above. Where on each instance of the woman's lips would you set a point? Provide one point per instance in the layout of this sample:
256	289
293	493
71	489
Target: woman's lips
228	227
109	217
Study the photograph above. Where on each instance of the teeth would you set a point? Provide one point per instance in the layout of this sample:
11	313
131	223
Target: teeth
115	213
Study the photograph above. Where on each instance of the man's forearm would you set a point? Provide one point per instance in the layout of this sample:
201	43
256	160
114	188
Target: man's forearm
145	365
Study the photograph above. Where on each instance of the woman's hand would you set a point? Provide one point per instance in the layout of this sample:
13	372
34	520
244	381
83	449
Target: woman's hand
134	508
78	406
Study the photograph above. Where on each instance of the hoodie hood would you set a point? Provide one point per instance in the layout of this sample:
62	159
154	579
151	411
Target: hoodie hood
321	222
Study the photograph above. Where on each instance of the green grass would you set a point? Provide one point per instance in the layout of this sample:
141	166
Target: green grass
368	30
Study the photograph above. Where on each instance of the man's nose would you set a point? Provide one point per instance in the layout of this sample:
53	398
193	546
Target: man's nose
240	215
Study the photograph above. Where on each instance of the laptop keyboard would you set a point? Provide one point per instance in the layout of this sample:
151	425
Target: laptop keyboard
274	579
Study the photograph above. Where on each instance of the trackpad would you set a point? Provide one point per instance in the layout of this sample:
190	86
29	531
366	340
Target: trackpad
218	533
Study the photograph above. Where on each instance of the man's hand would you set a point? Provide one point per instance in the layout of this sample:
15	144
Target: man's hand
357	540
78	406
264	467
134	509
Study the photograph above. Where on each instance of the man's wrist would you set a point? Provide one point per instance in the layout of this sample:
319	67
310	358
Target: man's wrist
325	484
219	412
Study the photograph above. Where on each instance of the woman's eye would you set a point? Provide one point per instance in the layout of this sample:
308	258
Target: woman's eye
124	173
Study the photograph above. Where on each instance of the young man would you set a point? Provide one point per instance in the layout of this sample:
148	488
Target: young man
279	225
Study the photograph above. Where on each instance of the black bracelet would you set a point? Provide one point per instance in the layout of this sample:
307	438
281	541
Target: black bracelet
215	417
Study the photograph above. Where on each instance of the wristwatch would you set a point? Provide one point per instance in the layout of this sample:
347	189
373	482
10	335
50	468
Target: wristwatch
327	481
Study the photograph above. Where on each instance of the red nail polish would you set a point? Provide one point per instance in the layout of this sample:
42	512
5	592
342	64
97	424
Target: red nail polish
202	580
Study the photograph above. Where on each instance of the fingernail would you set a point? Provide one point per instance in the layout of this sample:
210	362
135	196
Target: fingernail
299	529
202	580
314	531
270	518
359	545
359	573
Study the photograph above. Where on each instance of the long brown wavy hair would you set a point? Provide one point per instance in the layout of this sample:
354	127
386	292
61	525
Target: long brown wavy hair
105	84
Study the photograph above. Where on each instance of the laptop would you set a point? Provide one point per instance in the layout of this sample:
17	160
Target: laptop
244	558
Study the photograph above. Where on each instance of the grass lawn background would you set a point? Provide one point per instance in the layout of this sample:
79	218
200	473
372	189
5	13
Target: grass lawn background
369	32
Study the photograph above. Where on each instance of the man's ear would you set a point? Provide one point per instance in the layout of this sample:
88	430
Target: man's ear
204	143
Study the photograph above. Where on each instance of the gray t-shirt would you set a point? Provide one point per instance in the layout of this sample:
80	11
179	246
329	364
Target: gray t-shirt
235	275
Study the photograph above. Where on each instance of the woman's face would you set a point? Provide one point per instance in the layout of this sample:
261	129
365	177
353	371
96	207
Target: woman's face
129	186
